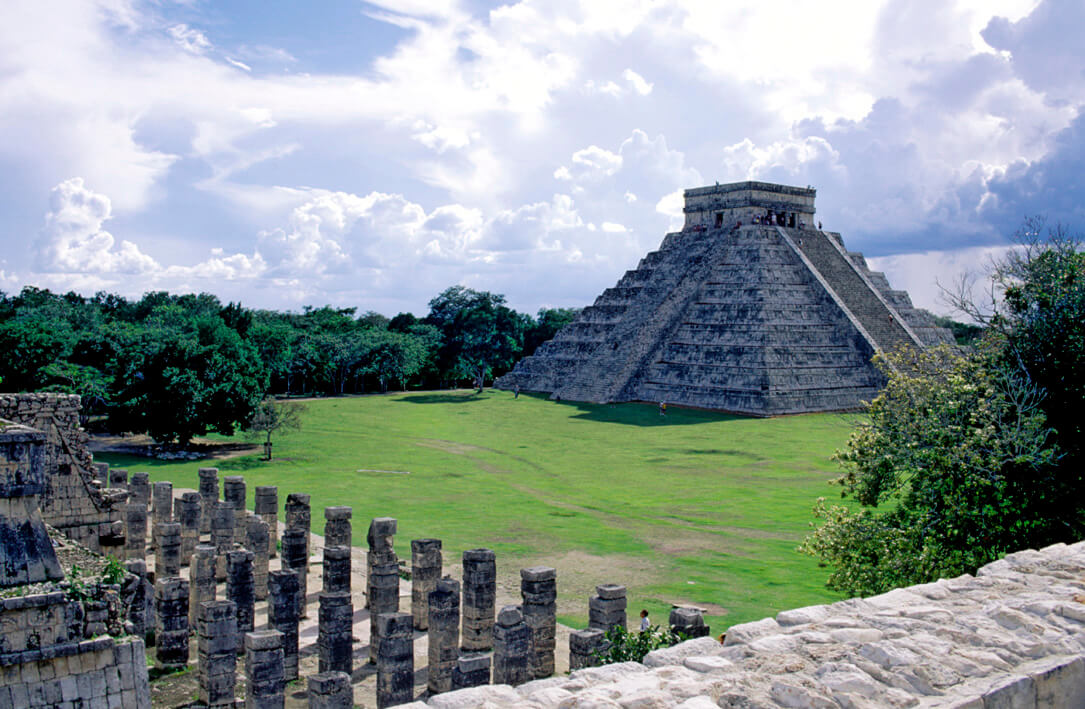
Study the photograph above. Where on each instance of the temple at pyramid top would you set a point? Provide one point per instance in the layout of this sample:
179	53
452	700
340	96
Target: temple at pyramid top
751	309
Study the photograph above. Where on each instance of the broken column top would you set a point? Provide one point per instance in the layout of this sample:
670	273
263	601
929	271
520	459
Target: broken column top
510	616
610	591
538	573
479	555
338	512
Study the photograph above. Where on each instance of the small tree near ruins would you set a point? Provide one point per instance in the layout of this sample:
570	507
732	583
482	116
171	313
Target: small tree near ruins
273	416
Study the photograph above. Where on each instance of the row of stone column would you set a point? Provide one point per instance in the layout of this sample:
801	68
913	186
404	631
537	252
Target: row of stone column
522	637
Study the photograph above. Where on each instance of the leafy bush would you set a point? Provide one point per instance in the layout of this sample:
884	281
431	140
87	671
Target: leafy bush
625	646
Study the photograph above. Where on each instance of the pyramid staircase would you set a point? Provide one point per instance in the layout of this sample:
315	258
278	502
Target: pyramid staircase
758	319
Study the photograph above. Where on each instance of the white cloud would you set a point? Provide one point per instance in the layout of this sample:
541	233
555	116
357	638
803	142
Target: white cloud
190	39
637	82
597	161
910	118
73	240
614	228
924	275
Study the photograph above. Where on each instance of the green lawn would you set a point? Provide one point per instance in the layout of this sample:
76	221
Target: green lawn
697	507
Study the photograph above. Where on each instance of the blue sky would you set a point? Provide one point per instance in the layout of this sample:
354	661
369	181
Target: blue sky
371	154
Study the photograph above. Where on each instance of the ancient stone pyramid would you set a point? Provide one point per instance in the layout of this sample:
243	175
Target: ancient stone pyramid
750	309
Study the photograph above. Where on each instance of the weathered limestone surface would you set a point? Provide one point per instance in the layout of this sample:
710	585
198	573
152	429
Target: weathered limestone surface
217	652
135	540
73	499
139	595
330	690
395	660
233	492
266	507
337	529
201	581
382	579
606	608
764	319
239	590
209	497
471	670
512	648
334	623
538	587
689	622
283	615
1012	636
444	634
583	645
336	569
425	570
139	489
44	666
26	554
222	536
167	556
264	684
479	598
256	541
171	622
186	511
295	558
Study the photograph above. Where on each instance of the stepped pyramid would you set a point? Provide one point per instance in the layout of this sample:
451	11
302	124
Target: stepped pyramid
749	309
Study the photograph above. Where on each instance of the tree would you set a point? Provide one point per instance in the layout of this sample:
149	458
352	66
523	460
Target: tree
273	416
954	453
546	325
970	456
480	333
179	376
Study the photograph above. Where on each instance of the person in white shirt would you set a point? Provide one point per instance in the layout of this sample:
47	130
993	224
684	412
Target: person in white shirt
644	623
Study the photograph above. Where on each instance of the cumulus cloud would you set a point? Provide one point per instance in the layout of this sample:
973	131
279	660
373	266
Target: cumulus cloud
637	82
73	240
481	140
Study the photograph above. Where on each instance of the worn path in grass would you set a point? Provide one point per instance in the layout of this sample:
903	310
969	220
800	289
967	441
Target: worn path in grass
696	507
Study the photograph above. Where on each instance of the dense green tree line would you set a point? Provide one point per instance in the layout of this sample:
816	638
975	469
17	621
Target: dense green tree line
177	366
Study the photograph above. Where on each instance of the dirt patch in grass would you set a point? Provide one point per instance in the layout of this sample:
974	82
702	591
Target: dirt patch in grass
579	572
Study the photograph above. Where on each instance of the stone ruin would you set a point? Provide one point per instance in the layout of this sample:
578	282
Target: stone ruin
1013	635
76	499
750	309
60	646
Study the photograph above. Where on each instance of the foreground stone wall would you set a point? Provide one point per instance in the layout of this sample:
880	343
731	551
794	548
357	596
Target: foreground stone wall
1012	636
72	502
46	662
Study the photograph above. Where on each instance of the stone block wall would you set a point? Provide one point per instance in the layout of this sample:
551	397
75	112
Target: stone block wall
72	502
42	665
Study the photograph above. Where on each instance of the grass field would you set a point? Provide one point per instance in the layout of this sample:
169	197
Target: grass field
697	507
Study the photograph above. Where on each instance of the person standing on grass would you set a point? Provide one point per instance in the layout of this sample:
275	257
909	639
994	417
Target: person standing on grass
516	392
644	622
662	408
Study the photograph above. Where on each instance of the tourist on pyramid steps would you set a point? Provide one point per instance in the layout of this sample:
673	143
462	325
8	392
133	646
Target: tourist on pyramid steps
819	226
644	622
662	408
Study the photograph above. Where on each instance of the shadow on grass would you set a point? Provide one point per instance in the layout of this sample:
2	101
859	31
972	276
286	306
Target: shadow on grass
634	413
646	414
450	398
